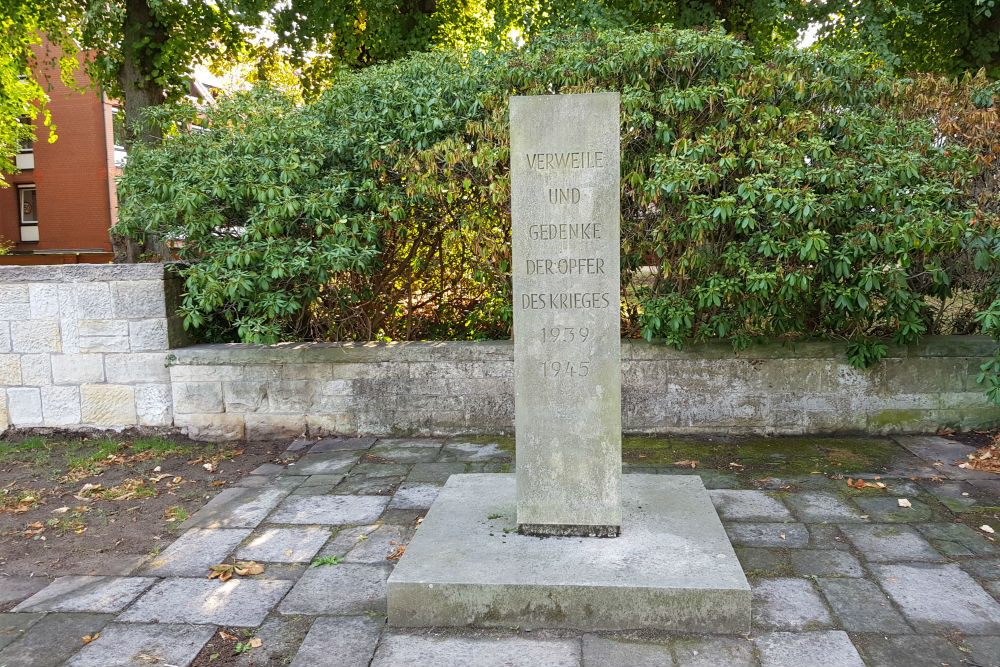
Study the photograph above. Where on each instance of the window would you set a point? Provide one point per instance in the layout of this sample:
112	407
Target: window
29	212
118	134
25	159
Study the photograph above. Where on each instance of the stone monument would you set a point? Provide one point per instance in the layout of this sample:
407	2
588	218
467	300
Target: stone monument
568	542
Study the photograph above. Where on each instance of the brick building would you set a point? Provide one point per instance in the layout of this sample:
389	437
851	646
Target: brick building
59	208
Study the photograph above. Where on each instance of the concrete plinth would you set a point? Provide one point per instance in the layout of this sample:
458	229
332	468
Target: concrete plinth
672	568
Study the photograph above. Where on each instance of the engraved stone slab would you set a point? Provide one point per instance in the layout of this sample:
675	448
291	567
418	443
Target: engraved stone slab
565	211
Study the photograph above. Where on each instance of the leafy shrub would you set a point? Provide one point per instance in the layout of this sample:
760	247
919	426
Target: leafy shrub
761	199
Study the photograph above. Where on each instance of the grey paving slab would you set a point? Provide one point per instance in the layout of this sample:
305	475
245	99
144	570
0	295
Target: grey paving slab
616	652
954	539
195	551
714	652
281	637
959	496
340	641
415	496
832	648
15	589
939	598
13	626
985	650
330	510
313	481
240	602
782	535
346	539
269	469
861	606
300	444
825	563
749	506
284	545
789	604
413	650
411	452
379	544
887	510
343	589
322	464
820	507
141	645
886	543
53	639
241	507
993	587
365	485
381	469
827	536
983	568
933	449
471	451
764	562
435	472
909	651
341	445
101	595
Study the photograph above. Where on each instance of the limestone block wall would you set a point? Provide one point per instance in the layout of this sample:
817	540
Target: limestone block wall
85	345
236	391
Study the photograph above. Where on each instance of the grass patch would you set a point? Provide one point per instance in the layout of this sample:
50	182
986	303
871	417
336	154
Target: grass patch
33	450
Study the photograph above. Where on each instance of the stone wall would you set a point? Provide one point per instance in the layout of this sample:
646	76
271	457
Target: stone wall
85	345
237	391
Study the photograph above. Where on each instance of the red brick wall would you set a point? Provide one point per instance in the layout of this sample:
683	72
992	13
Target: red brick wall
74	176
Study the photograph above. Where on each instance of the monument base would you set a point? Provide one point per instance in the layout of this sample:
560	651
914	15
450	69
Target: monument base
672	568
560	530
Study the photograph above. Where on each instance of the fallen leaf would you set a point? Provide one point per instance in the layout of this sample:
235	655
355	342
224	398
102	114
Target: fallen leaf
86	491
89	638
223	572
685	464
60	510
248	568
764	481
226	635
219	483
986	528
782	536
256	642
815	472
419	521
156	478
903	502
397	553
210	467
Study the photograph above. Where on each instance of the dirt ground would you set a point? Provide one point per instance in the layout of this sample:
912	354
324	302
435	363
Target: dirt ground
56	520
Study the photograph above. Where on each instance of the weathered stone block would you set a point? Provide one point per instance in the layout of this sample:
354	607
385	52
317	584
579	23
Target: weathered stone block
4	336
24	406
273	427
34	336
338	424
12	293
103	343
296	396
36	370
77	368
153	404
92	301
44	300
10	370
140	298
108	405
148	335
61	405
103	327
245	396
224	426
137	367
69	332
197	397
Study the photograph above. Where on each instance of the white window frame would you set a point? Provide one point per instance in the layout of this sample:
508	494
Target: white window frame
29	228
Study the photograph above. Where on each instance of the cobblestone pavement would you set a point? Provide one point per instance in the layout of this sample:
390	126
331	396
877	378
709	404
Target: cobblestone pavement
840	578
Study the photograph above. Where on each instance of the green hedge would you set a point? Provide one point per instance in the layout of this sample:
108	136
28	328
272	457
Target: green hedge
778	198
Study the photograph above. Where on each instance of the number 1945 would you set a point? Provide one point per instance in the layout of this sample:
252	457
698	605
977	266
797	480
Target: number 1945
565	368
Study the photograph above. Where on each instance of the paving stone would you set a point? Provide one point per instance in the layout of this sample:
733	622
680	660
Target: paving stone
413	650
818	507
365	485
789	604
936	448
784	535
955	539
614	652
959	496
379	544
909	651
346	539
240	602
195	551
268	469
322	464
281	637
862	607
985	650
51	640
241	507
993	587
341	445
414	496
341	641
13	626
939	598
380	470
749	506
983	568
764	562
713	479
827	536
403	517
15	589
344	589
884	543
714	652
284	545
815	649
330	510
471	451
127	645
887	510
409	452
435	472
313	481
87	594
826	563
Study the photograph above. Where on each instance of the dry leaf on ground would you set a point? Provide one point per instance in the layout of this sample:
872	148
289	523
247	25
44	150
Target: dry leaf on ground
685	464
89	638
903	502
